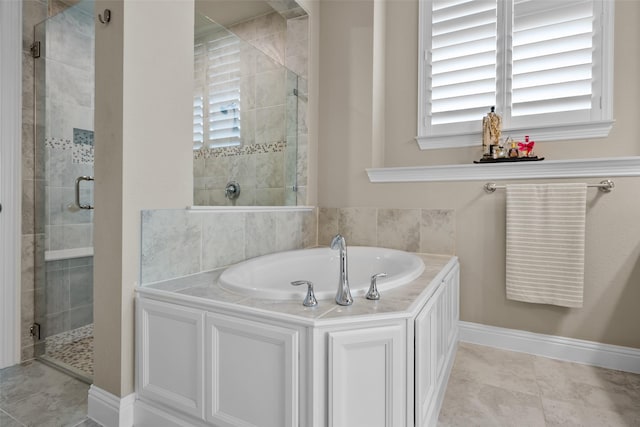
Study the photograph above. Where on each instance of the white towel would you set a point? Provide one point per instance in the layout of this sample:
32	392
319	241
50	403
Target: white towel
545	243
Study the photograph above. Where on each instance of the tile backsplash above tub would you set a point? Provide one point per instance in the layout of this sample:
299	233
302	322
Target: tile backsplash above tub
180	242
413	230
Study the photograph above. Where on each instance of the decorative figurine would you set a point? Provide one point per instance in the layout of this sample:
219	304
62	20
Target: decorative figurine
491	130
506	150
513	151
526	148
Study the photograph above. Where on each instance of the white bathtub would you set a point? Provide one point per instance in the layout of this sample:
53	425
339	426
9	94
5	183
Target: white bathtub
270	276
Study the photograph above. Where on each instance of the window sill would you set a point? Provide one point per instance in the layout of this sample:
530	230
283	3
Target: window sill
599	129
601	167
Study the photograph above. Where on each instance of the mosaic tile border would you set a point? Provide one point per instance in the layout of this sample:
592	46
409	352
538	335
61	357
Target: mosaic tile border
81	153
269	147
58	143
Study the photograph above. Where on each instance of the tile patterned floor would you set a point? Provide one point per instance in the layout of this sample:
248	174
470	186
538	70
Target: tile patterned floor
488	387
492	387
34	394
73	350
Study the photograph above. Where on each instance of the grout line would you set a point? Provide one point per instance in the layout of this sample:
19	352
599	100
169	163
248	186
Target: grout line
82	421
14	419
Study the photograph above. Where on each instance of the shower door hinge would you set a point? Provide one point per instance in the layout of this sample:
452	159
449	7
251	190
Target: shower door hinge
35	49
34	331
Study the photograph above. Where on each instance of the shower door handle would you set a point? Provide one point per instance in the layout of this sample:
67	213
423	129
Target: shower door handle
78	179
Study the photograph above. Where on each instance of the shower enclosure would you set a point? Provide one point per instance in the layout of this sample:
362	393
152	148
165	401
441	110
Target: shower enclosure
249	109
64	107
249	127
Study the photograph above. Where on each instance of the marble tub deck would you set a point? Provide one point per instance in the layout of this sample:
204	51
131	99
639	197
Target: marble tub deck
399	301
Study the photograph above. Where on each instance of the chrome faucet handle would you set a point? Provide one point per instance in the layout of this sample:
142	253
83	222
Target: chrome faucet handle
232	190
373	293
338	242
310	300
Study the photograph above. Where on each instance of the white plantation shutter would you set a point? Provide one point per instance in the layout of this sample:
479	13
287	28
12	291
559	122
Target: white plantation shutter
463	60
216	106
553	57
542	63
223	87
198	95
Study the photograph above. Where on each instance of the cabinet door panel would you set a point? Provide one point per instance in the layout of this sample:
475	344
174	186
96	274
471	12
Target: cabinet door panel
435	334
252	373
454	303
171	354
441	347
367	377
427	347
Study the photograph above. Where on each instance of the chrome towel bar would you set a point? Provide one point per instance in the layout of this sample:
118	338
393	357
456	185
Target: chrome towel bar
605	186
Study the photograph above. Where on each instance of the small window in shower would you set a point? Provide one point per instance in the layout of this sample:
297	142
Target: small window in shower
216	101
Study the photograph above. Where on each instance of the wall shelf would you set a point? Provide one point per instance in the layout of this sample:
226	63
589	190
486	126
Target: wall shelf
548	169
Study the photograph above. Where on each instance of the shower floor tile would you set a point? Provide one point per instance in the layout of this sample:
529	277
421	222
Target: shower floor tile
73	350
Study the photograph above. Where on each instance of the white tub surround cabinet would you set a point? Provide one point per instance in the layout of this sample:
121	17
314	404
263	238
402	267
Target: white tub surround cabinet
208	357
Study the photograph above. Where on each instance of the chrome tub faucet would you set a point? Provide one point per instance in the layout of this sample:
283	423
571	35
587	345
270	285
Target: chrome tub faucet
343	296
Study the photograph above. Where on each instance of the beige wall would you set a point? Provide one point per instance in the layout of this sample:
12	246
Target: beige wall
346	137
144	76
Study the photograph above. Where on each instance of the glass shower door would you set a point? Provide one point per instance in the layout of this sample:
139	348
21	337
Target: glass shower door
64	109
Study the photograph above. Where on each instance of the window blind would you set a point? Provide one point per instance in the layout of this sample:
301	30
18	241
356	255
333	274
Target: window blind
552	56
216	106
198	95
544	64
463	60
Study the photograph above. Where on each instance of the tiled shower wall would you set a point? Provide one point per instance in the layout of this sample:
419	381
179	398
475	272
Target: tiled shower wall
67	137
179	242
273	158
69	294
67	141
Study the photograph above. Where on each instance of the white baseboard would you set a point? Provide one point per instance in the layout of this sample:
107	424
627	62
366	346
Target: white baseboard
110	410
569	349
148	415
